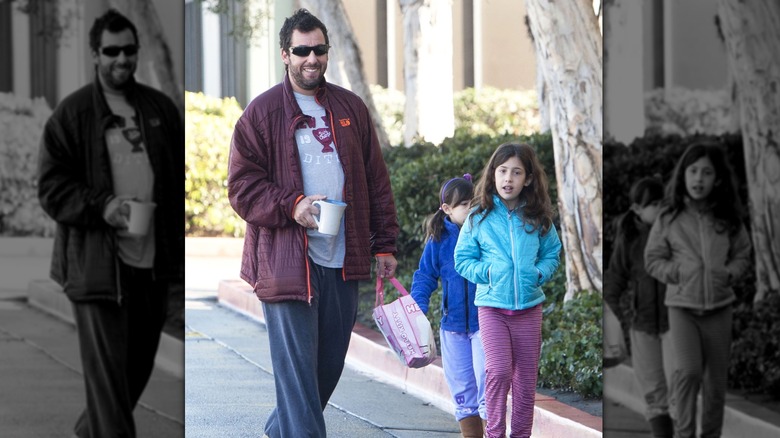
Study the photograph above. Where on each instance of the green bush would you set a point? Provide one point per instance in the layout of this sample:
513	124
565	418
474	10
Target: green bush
648	156
686	112
209	127
495	112
21	122
571	345
489	111
755	350
390	104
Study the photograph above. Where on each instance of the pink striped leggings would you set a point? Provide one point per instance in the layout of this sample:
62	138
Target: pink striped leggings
512	341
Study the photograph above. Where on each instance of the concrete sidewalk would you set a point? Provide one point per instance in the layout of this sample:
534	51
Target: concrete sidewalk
621	393
230	387
41	382
42	391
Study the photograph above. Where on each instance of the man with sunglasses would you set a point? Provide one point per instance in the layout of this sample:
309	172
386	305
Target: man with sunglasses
301	141
110	142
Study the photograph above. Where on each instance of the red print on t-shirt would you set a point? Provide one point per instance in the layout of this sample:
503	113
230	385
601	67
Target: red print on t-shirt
323	135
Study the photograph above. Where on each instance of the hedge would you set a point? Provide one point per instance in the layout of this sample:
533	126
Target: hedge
571	345
649	156
21	122
488	111
209	126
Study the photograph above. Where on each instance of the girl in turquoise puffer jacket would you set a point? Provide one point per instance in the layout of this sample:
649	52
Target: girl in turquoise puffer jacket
699	247
509	247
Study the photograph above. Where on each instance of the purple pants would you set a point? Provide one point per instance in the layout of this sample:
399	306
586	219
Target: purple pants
512	343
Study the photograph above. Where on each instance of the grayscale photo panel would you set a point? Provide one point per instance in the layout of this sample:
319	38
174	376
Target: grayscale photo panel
91	201
692	210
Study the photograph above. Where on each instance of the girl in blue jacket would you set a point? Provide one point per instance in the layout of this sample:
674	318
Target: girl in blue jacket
509	247
699	247
627	280
462	354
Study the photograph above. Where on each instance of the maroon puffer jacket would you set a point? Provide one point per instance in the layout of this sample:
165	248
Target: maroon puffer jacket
265	183
74	182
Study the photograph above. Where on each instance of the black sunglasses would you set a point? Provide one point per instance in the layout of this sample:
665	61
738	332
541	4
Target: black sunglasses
304	51
113	51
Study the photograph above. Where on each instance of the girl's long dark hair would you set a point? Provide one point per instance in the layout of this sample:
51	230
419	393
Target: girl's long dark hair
643	192
537	206
452	193
724	201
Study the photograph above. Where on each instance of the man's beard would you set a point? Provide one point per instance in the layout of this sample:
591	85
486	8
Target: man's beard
307	84
116	79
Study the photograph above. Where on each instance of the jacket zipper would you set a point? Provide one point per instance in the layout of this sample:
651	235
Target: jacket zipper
308	268
154	192
305	235
706	292
343	191
512	249
118	279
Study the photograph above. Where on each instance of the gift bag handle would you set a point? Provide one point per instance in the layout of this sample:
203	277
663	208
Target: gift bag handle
380	290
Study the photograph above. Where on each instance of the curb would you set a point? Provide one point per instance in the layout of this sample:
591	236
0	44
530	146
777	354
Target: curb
741	418
48	296
369	352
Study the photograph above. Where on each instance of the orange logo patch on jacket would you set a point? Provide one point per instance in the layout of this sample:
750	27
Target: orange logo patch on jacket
344	122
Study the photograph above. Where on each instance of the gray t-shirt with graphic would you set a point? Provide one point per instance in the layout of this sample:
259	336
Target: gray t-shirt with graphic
322	175
132	176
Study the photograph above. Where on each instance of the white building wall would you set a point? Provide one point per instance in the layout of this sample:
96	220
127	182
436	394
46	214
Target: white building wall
21	48
211	55
74	57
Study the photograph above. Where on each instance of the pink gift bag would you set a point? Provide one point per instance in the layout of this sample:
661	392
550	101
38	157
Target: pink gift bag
405	327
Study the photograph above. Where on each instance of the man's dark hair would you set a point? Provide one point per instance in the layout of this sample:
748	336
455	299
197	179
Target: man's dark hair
302	20
111	21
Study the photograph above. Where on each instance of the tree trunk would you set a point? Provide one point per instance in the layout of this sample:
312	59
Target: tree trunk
345	65
541	88
428	75
542	92
753	47
155	55
568	46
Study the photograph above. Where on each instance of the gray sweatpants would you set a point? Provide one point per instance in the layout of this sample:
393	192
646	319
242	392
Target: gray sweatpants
652	361
118	345
308	346
702	345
